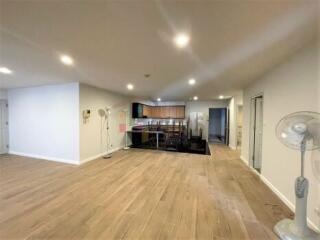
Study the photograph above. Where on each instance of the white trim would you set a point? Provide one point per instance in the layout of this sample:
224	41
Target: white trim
277	192
244	160
232	147
29	155
260	94
286	201
100	155
282	197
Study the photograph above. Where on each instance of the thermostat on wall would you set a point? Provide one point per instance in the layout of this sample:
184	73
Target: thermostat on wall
86	115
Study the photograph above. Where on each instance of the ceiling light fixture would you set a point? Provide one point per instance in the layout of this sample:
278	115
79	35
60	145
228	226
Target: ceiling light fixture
5	70
130	86
67	60
195	98
159	99
181	40
192	81
221	97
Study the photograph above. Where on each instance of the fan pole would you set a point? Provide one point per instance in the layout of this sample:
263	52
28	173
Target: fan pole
303	153
108	155
126	147
300	225
298	228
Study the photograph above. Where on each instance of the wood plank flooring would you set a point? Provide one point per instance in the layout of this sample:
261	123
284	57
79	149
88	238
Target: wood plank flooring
137	194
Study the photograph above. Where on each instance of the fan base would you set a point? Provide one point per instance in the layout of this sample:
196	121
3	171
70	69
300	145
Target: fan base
126	148
107	156
285	229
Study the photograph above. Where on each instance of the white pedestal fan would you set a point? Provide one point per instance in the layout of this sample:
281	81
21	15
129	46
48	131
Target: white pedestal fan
126	147
108	112
299	131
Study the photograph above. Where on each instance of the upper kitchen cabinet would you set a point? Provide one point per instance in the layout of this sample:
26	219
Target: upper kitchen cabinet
180	112
147	111
137	110
155	112
158	112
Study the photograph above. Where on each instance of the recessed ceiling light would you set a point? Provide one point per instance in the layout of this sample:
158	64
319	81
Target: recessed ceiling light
159	99
195	98
5	70
67	60
181	40
221	97
192	81
130	86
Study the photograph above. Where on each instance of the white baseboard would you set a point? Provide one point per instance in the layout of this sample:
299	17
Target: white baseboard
232	147
286	201
100	155
62	160
36	156
244	160
282	197
278	193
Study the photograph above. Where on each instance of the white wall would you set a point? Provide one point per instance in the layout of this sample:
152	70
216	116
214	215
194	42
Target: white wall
203	107
235	101
293	86
170	103
232	121
44	122
3	94
92	135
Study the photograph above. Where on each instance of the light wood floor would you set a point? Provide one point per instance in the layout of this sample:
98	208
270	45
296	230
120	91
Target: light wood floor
137	194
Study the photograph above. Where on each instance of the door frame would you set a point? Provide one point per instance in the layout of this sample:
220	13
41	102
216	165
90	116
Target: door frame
252	140
227	122
6	124
237	127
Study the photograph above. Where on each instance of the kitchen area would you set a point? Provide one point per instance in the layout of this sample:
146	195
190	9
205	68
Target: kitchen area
165	128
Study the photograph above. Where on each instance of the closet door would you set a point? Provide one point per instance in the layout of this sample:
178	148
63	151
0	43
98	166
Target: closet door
258	129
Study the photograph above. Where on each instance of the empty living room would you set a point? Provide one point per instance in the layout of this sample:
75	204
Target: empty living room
160	119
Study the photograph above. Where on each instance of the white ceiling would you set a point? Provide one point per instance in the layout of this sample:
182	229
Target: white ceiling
117	42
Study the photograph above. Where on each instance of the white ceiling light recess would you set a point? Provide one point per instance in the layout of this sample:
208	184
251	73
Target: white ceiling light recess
192	81
130	86
5	70
67	60
181	40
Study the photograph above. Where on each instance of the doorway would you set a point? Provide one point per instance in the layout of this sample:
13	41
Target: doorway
4	132
239	125
256	131
218	126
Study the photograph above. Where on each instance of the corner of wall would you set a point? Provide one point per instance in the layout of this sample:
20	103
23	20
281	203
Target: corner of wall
3	94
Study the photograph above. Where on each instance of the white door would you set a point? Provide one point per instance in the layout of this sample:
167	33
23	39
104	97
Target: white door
257	156
4	145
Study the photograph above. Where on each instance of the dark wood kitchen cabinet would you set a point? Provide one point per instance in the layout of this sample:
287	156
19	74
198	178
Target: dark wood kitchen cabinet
158	112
